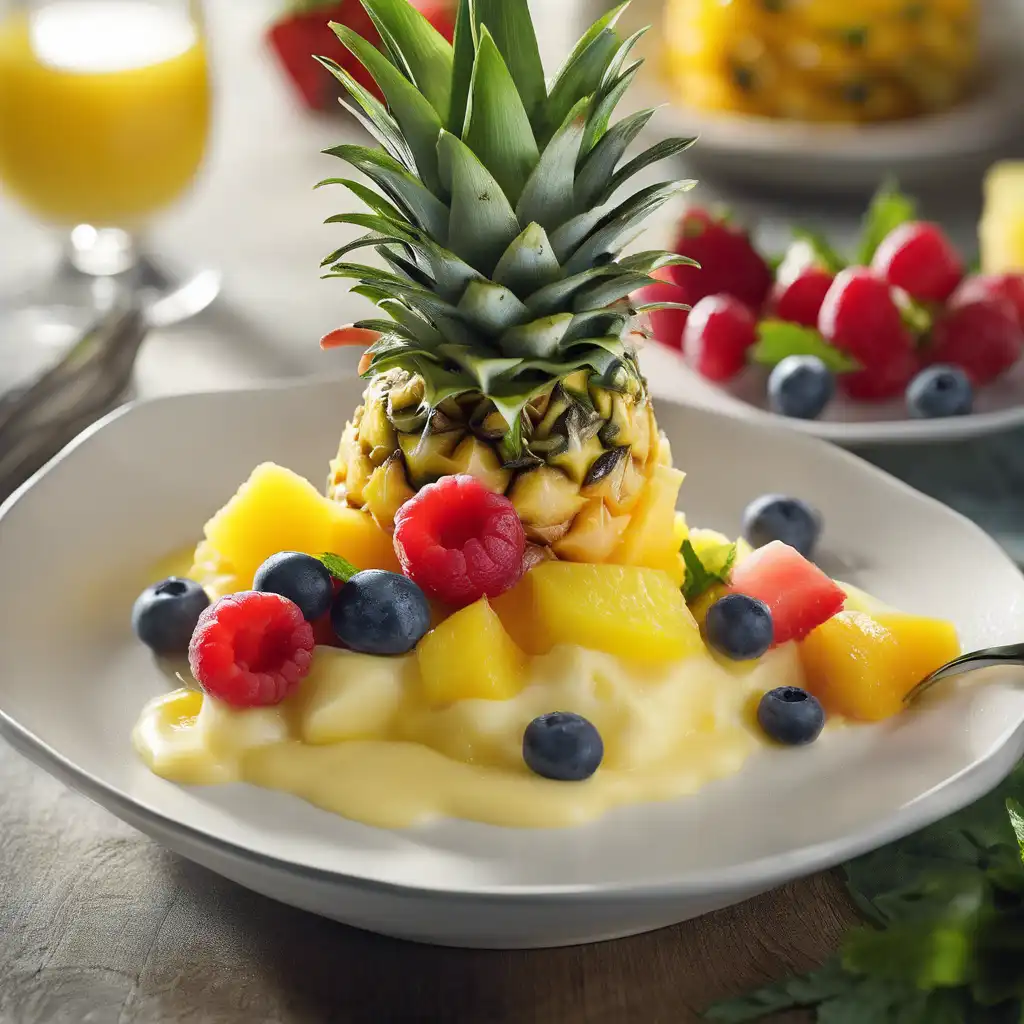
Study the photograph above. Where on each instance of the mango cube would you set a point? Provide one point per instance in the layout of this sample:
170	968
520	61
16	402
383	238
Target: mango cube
1001	232
862	666
277	510
470	656
631	611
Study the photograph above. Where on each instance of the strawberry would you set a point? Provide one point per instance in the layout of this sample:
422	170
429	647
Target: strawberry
983	338
718	335
729	263
860	316
1009	287
920	259
799	301
666	324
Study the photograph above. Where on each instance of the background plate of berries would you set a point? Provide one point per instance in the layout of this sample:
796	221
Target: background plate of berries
73	677
899	341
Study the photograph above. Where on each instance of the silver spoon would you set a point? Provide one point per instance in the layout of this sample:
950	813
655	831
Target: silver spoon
989	657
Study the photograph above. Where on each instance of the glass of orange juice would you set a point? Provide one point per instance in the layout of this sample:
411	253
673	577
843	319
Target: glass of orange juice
104	118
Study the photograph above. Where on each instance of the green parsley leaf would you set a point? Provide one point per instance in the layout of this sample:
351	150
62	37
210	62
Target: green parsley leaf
340	568
702	575
888	210
777	339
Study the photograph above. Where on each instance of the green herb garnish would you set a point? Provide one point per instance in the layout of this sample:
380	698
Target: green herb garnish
777	339
703	574
340	568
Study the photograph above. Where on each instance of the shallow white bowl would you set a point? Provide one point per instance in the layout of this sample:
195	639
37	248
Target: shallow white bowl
997	407
75	547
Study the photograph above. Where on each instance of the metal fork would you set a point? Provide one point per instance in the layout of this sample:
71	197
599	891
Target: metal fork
989	657
90	379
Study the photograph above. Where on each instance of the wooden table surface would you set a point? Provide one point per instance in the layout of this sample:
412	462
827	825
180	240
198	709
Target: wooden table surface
100	926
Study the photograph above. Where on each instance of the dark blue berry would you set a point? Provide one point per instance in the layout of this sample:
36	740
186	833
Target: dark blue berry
790	715
776	517
165	615
801	387
940	391
380	612
740	627
303	579
562	746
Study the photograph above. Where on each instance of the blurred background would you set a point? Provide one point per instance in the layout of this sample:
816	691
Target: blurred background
167	150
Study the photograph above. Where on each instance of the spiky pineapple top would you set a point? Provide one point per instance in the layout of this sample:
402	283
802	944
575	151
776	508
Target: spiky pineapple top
498	212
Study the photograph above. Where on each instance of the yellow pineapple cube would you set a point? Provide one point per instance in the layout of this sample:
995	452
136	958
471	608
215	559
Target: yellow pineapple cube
277	510
595	533
1001	232
470	656
650	538
634	612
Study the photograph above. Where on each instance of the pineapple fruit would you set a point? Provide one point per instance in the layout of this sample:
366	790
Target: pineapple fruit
862	666
509	348
1001	232
822	60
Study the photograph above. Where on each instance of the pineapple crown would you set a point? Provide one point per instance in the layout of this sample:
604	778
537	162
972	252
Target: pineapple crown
498	213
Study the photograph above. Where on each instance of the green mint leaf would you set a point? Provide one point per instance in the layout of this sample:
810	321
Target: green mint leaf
888	210
1016	813
340	568
825	255
702	575
777	339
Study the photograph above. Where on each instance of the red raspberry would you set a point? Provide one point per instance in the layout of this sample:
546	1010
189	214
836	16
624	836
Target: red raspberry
920	259
882	380
666	324
251	649
1008	287
459	542
982	338
718	334
729	263
799	301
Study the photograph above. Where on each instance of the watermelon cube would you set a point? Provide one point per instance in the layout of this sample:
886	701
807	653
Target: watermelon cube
801	597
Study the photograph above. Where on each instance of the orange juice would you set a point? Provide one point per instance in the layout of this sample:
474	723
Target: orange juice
104	109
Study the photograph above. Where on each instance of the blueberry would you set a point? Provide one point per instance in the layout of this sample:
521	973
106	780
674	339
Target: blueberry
776	517
562	746
940	391
380	612
801	387
165	615
740	627
303	579
790	715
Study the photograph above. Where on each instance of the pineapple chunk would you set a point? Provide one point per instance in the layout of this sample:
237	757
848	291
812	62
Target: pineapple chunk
634	612
862	666
277	510
387	491
595	533
650	538
1001	231
680	530
470	656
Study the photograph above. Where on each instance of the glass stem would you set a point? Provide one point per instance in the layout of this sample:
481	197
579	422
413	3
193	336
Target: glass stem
101	252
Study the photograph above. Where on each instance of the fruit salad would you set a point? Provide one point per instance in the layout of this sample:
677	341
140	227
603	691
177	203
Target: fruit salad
855	61
902	319
494	610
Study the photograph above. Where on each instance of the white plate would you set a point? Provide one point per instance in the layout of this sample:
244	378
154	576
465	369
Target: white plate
998	407
841	157
75	544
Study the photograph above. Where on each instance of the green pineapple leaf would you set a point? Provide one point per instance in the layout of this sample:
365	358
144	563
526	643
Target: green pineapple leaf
511	27
491	308
660	151
497	127
482	223
557	295
372	115
584	70
609	289
568	237
600	164
464	48
424	54
374	200
528	264
538	339
412	111
548	196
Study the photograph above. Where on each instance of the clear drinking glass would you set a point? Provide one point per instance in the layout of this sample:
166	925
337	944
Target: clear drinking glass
104	118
